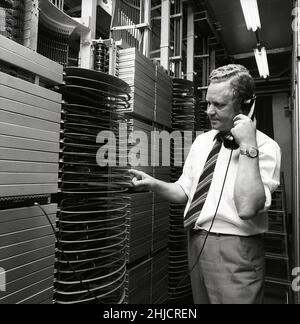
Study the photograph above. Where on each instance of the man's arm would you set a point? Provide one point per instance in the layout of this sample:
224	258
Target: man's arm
170	191
249	192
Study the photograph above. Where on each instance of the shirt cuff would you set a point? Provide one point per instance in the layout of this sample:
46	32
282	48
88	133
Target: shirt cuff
268	202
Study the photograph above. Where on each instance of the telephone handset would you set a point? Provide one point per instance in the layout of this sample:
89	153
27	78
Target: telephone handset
248	108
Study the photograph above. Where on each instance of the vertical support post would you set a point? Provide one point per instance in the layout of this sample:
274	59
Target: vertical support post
296	145
147	33
204	66
208	62
165	34
180	38
31	24
212	59
88	16
190	43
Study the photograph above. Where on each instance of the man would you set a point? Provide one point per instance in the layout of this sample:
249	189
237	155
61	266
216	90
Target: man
228	193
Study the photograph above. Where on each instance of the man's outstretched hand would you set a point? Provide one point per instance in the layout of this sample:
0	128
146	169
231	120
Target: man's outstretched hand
172	192
141	180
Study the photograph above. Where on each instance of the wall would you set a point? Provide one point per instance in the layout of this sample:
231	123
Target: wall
283	136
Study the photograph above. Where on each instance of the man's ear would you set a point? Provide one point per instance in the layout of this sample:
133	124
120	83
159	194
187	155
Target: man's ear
238	108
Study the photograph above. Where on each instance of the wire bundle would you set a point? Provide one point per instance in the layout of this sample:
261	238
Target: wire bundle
18	14
12	13
53	44
91	258
183	119
183	107
6	19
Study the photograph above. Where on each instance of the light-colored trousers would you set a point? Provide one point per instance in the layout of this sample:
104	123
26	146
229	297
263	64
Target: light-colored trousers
231	269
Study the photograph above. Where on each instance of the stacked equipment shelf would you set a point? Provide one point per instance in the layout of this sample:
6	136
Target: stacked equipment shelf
151	93
183	119
163	97
160	267
139	222
139	136
91	255
161	171
29	147
203	123
139	226
139	73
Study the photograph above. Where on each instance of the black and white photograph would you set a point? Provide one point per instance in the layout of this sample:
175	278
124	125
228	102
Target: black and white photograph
149	155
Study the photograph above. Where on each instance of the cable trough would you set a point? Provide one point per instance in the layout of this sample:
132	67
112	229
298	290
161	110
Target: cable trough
91	253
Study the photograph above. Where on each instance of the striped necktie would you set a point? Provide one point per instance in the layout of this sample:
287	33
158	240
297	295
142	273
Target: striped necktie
203	186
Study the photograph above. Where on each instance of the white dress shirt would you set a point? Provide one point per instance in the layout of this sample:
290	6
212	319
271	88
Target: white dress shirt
227	220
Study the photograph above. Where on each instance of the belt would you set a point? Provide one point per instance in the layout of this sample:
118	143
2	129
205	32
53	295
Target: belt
203	232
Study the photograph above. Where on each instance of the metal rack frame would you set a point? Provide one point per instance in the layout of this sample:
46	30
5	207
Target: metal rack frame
131	24
296	144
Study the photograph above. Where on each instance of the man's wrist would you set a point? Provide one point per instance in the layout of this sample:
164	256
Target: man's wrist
153	184
250	143
250	151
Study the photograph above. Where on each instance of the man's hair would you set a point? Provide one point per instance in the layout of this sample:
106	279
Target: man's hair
240	78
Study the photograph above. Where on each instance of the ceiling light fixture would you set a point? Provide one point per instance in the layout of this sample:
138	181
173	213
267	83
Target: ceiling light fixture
251	14
262	62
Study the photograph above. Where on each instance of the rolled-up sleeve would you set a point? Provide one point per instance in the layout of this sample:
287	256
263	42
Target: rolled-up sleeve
186	179
269	164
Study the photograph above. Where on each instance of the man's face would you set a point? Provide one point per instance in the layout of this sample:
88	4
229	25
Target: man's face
222	107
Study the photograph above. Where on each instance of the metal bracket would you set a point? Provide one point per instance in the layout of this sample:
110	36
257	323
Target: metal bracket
139	26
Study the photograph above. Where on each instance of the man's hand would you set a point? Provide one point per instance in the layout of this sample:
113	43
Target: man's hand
169	191
244	131
141	180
